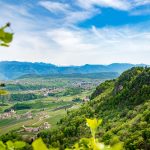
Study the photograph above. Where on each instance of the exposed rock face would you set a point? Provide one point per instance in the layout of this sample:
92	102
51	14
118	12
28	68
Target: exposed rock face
118	88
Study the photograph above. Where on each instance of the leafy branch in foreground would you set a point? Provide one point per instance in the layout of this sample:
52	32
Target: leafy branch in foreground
93	143
12	146
5	37
84	143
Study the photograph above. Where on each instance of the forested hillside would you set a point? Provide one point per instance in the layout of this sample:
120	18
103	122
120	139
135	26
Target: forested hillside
124	106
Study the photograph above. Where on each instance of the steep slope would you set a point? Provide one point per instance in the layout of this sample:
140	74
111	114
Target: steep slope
124	106
14	69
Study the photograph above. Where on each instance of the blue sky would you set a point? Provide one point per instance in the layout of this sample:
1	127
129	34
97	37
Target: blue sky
76	32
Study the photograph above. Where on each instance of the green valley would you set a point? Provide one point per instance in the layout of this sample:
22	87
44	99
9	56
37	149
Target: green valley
60	118
33	100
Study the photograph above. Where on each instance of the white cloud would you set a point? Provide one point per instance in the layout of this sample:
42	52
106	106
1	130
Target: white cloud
78	16
140	2
70	40
80	10
145	11
140	7
125	5
117	4
70	15
65	46
34	41
55	7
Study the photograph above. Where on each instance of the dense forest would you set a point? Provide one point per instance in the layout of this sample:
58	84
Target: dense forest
124	106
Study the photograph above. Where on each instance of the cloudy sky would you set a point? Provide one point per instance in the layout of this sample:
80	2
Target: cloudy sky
75	32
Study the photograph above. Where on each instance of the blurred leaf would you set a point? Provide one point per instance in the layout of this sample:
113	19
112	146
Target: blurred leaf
10	145
2	146
93	124
3	44
3	92
118	146
5	37
2	33
53	148
8	37
19	144
39	145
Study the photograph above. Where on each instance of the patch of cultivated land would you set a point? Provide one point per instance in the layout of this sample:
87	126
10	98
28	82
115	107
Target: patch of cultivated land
41	99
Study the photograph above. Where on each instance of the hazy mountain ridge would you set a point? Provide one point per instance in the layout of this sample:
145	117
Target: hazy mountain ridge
14	69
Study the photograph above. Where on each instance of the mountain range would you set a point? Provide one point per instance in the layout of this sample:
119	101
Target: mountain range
15	69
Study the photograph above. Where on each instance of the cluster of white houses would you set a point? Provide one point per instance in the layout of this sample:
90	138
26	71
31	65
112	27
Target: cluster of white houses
46	91
8	115
46	125
12	114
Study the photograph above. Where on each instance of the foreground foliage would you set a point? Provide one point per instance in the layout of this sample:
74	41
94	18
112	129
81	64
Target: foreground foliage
83	144
11	145
5	37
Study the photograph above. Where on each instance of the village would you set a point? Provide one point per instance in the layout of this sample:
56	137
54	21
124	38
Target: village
28	115
52	88
32	104
7	115
45	126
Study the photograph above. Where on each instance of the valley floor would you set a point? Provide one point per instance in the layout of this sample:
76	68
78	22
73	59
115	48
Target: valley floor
33	101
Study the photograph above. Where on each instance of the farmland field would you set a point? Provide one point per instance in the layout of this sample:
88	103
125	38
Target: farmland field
31	101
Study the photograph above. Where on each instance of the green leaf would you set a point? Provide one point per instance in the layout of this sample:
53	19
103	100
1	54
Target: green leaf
5	37
8	37
93	124
19	144
53	148
2	33
4	44
2	146
10	145
76	146
39	145
100	146
3	92
118	146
